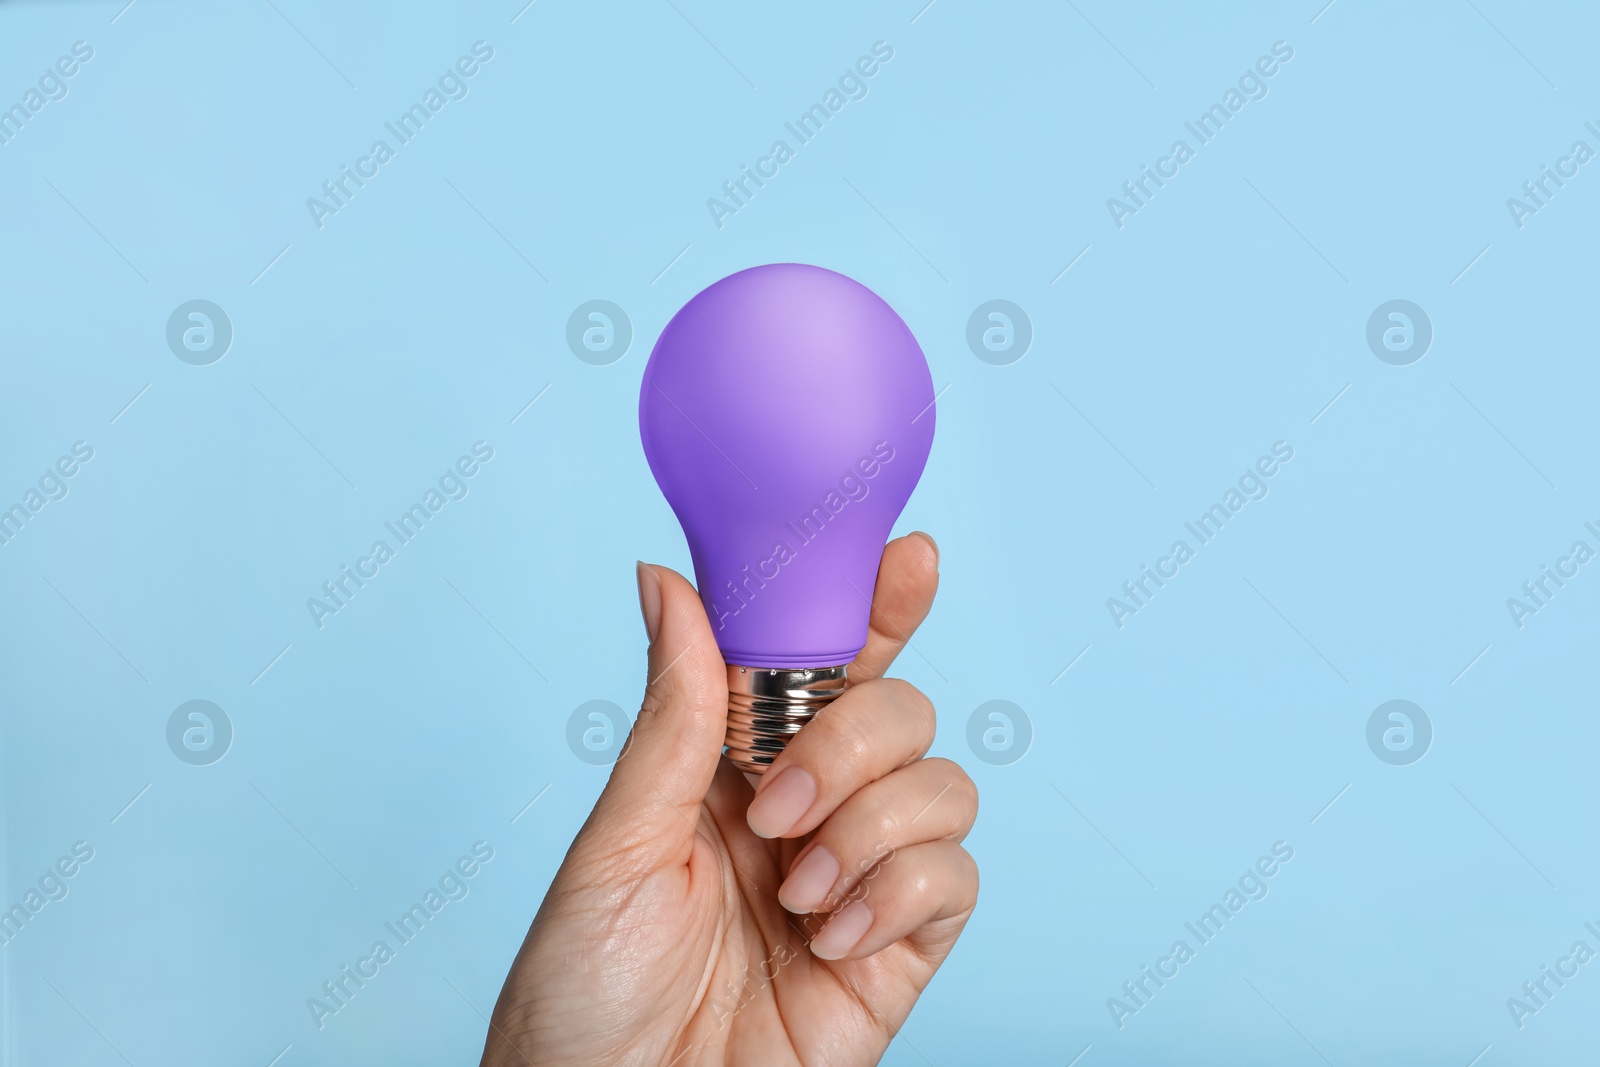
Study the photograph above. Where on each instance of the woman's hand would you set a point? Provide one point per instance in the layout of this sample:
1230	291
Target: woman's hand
691	924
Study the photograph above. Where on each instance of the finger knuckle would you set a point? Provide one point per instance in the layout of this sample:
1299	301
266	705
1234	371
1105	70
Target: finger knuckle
914	701
968	894
848	745
952	779
886	826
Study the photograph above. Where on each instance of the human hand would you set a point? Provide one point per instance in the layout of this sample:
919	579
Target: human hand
690	924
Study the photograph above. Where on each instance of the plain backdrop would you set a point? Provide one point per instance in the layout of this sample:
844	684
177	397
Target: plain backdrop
370	352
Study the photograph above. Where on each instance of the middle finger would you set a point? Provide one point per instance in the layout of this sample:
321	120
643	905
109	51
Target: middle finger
870	730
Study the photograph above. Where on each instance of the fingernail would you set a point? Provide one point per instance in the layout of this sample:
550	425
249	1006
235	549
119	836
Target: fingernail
808	884
934	544
843	932
650	599
779	806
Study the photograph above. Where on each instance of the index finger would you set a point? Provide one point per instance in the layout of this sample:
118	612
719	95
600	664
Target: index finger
908	576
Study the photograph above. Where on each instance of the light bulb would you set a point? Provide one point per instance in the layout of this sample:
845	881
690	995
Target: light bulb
787	413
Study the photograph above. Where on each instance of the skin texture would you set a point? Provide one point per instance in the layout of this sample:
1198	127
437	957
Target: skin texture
662	939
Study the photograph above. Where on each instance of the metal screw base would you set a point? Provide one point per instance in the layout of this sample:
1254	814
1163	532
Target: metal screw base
766	707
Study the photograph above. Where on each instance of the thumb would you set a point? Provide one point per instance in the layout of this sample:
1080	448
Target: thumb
670	757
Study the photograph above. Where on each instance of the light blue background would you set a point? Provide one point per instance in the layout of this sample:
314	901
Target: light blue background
1223	317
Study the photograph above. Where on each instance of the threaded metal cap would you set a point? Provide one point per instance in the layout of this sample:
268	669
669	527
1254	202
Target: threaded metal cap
768	706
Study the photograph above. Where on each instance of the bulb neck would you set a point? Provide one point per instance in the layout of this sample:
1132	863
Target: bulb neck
767	706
